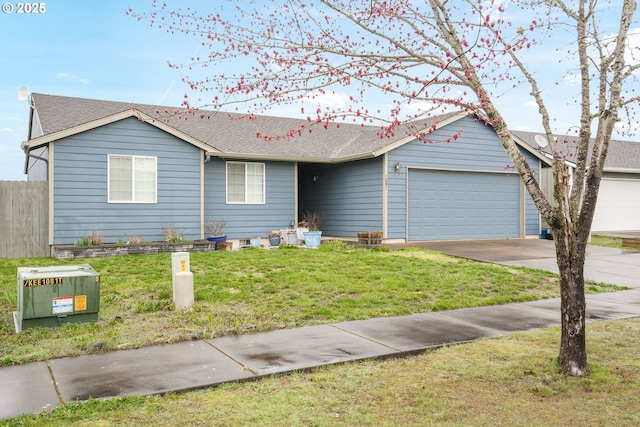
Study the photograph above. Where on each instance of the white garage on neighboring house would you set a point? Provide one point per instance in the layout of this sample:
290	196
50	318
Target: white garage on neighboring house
618	207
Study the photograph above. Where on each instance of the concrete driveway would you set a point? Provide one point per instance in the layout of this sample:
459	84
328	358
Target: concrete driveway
608	265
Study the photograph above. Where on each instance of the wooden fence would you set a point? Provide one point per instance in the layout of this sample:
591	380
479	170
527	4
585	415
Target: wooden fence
24	207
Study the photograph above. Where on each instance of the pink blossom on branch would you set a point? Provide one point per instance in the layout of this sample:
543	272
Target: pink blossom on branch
291	51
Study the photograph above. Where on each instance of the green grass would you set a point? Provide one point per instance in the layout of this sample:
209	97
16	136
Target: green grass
258	290
611	242
509	381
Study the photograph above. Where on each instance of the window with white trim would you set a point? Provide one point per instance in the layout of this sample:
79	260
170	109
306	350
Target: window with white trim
132	179
245	183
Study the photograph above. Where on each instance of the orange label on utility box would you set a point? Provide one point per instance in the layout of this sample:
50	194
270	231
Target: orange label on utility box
80	303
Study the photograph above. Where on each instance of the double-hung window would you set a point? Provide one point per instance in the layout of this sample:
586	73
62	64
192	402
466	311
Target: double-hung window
132	179
245	183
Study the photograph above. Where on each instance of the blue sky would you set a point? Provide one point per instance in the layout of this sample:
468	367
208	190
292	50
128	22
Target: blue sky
92	49
86	49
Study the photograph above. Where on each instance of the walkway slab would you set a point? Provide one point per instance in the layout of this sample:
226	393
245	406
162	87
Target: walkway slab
507	318
622	269
149	370
598	309
623	297
26	389
613	305
551	305
296	349
416	332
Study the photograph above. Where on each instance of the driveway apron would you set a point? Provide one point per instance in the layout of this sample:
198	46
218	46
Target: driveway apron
608	265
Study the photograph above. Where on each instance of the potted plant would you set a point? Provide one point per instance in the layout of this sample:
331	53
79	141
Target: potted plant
215	230
275	237
312	221
290	236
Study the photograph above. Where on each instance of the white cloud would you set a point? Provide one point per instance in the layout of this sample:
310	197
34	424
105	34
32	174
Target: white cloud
627	128
632	52
424	107
572	79
9	130
328	99
65	76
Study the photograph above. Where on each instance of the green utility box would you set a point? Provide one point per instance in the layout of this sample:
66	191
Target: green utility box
53	296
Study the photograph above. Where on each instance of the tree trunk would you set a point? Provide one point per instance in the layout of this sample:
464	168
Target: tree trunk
571	256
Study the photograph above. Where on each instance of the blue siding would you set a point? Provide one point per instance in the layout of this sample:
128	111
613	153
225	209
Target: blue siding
80	184
477	148
247	220
348	194
532	216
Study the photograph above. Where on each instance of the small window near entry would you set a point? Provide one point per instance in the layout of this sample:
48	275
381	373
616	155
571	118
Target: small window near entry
132	179
245	183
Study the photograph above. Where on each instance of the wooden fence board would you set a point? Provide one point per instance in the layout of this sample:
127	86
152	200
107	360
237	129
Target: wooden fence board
24	209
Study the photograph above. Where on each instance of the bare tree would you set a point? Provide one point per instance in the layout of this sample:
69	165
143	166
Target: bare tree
464	54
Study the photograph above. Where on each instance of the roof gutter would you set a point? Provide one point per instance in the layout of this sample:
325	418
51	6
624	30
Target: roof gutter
621	170
275	158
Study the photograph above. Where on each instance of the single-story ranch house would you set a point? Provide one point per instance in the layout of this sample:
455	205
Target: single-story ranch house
130	170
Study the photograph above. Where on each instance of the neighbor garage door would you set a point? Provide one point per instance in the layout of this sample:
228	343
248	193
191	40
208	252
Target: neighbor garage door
618	207
452	205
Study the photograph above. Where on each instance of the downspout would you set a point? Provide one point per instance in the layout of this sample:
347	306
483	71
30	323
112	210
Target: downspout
27	153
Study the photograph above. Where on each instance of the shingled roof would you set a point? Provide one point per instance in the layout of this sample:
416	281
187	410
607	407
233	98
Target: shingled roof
223	133
623	156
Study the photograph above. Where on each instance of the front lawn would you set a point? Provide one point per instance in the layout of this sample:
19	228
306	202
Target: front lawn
258	290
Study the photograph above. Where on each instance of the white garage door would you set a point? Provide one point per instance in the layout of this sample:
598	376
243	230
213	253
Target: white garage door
618	207
452	205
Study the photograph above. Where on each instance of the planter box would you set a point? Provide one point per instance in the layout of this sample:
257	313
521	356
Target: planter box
631	242
367	239
370	242
110	250
224	246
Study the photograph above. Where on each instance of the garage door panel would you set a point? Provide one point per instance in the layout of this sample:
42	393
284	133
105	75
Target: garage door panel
448	205
618	206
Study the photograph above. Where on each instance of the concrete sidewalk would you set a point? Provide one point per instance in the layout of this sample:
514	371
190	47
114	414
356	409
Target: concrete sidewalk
32	387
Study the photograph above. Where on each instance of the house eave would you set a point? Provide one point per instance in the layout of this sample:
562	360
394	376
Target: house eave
279	158
622	170
547	159
55	136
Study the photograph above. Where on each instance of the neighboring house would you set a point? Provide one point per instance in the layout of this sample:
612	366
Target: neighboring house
128	170
618	206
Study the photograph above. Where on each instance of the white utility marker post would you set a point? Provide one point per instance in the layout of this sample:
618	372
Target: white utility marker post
182	280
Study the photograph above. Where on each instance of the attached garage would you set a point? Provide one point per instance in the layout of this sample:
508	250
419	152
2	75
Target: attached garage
460	205
618	207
